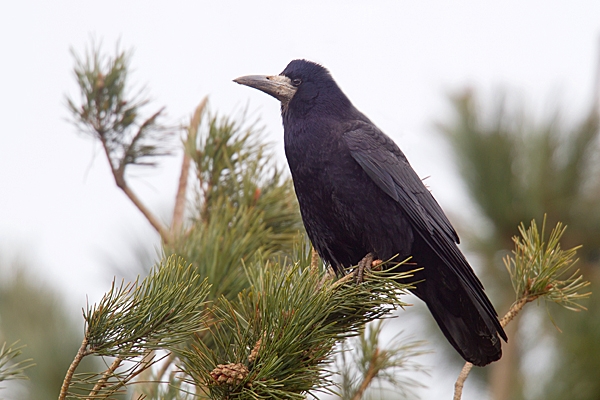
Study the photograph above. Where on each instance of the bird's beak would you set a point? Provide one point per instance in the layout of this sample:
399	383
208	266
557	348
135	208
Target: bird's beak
277	86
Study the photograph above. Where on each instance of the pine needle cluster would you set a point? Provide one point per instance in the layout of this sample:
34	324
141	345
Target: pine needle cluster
540	268
132	319
244	209
275	340
10	368
108	111
279	335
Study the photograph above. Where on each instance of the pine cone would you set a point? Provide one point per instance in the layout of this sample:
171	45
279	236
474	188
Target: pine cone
229	374
254	353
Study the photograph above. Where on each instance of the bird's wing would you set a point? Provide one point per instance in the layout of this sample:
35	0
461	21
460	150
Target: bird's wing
387	166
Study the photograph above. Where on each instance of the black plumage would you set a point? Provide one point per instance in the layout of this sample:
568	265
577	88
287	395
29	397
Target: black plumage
358	194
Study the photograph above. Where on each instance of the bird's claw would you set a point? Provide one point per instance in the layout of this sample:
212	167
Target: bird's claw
366	264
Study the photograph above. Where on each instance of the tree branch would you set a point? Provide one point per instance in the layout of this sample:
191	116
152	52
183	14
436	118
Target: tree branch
460	382
178	210
156	224
82	352
371	373
119	175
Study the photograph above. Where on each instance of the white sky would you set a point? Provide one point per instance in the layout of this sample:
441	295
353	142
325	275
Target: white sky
396	60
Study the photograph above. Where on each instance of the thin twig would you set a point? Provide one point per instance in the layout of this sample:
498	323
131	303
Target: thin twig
596	98
118	174
179	208
509	316
371	373
107	374
181	194
144	366
460	382
515	309
138	136
145	373
167	363
82	352
156	224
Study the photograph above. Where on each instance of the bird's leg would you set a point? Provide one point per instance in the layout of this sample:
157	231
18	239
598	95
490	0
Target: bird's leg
364	264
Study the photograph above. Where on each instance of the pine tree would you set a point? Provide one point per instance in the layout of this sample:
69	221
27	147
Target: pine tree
244	309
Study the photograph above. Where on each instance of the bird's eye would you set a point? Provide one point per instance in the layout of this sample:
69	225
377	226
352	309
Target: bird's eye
296	82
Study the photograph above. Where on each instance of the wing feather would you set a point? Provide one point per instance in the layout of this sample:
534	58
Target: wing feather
387	166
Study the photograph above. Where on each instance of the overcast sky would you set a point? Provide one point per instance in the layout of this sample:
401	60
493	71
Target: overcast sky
396	60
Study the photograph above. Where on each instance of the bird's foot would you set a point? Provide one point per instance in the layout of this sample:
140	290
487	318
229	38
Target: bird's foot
368	263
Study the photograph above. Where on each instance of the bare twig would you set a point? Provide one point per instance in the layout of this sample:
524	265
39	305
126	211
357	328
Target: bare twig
167	363
154	221
130	150
509	316
151	391
460	382
82	352
179	208
118	174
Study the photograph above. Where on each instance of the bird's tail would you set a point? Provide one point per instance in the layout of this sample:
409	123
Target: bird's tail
464	327
462	310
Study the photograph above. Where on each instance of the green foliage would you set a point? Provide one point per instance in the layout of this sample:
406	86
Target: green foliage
109	112
275	340
244	209
10	368
280	333
234	163
538	268
161	312
370	362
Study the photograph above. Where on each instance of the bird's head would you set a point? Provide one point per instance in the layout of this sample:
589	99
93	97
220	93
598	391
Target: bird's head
300	86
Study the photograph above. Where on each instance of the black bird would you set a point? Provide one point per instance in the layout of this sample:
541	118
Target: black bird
360	197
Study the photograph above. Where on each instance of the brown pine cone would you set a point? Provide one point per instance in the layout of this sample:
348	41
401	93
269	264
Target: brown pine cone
229	374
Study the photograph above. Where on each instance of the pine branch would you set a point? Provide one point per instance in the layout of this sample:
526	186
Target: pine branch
110	114
161	312
538	269
82	352
105	377
9	369
369	376
152	219
276	339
